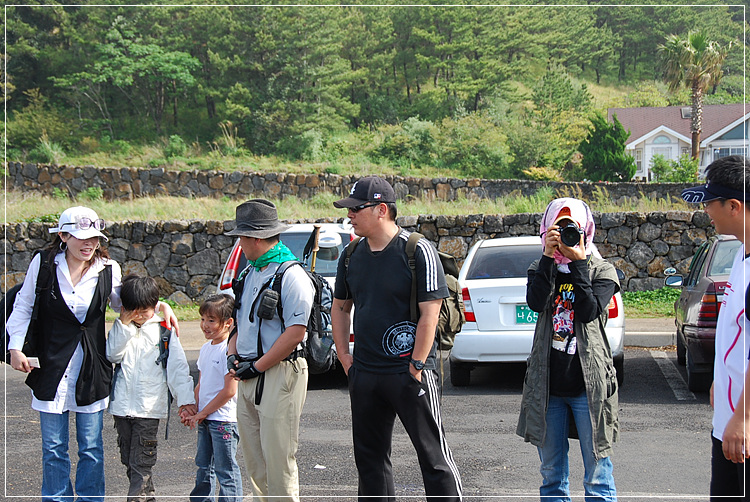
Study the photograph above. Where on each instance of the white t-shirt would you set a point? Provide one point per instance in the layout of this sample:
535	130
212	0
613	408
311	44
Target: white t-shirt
212	363
732	344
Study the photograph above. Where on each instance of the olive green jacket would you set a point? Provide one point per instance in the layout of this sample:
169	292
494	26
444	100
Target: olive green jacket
598	374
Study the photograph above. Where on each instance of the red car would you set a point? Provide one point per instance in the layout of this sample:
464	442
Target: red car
697	308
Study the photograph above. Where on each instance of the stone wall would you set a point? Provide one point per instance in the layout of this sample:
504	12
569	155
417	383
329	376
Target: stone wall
186	257
128	183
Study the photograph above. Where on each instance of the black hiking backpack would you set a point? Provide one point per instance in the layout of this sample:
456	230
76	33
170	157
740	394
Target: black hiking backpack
318	346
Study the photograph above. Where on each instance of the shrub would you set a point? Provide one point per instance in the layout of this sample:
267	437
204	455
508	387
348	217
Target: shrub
474	145
175	147
413	140
47	151
91	193
542	174
28	125
683	170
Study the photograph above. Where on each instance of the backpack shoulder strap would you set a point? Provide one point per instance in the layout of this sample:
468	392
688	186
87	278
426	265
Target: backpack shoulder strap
164	336
411	251
45	279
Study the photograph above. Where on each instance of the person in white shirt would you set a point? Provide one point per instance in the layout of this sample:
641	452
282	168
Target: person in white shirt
216	395
72	373
724	198
141	381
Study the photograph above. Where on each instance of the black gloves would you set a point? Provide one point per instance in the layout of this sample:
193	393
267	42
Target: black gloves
244	370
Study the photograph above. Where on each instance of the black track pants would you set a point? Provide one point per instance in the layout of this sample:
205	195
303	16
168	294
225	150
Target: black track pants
376	401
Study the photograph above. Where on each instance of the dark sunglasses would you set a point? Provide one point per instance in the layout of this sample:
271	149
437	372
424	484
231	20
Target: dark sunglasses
359	208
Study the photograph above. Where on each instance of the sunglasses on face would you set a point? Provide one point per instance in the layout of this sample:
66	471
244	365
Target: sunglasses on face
359	208
706	204
86	223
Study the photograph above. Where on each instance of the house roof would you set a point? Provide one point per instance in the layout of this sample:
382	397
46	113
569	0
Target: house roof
641	121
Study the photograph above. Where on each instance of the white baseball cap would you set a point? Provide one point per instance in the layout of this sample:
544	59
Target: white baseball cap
80	222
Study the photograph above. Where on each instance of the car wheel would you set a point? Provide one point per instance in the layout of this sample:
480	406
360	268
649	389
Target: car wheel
698	381
681	350
619	362
460	373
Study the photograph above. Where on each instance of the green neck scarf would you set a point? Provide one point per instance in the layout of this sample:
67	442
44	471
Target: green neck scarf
277	254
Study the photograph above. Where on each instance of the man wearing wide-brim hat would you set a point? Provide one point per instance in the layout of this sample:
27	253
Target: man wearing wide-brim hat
266	355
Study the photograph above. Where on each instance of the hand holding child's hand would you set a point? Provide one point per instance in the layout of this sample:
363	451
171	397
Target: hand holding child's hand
187	411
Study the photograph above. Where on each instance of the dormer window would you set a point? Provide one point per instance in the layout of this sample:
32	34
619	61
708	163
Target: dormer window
662	140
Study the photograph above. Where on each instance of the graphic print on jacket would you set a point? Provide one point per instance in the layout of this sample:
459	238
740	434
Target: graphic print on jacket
564	339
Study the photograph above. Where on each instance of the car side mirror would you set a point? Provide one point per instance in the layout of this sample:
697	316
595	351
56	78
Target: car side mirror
620	274
673	281
670	271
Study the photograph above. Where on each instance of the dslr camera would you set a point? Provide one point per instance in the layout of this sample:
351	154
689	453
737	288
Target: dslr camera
570	234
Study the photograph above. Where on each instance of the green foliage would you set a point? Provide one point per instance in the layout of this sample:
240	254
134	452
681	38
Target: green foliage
91	193
47	151
59	193
656	303
603	151
683	170
305	146
646	94
472	144
542	174
414	141
36	120
137	74
175	147
44	218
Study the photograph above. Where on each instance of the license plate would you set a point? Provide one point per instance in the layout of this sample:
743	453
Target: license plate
524	315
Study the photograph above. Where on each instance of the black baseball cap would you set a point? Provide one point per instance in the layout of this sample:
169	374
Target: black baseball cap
368	189
712	191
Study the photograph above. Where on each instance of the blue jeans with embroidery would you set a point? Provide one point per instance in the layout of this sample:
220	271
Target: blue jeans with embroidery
217	449
598	481
56	484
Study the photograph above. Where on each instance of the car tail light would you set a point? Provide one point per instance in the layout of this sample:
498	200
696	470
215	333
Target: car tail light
231	271
708	311
468	308
614	310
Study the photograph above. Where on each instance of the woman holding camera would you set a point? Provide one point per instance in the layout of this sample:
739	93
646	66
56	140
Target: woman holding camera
570	389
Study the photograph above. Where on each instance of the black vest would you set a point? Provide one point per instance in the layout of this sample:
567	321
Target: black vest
58	333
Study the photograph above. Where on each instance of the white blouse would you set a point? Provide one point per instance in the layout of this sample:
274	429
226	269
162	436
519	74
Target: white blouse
78	298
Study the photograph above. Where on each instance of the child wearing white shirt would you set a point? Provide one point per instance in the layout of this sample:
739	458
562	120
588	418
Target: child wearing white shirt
216	395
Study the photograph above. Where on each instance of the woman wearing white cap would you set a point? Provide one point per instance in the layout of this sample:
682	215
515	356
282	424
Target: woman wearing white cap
71	371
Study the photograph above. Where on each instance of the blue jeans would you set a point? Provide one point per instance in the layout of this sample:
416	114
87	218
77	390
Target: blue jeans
217	449
56	463
598	481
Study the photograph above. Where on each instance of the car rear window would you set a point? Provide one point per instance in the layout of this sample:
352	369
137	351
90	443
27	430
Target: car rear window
503	261
327	258
721	263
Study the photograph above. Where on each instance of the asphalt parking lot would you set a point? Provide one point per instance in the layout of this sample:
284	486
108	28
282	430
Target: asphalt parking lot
663	451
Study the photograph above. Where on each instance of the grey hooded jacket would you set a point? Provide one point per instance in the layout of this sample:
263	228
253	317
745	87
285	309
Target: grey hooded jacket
598	374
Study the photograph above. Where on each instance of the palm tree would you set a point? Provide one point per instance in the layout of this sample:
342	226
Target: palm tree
696	63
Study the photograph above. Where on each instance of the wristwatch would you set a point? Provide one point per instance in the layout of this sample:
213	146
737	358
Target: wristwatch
418	365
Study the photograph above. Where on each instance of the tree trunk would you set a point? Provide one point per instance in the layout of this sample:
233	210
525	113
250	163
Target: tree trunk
696	123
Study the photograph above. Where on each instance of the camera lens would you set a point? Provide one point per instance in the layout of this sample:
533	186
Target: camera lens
570	235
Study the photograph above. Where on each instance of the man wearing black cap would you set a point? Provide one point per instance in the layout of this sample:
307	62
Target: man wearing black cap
724	198
265	356
392	372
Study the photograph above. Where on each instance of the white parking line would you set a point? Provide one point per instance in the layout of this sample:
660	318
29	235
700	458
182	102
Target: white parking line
673	377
